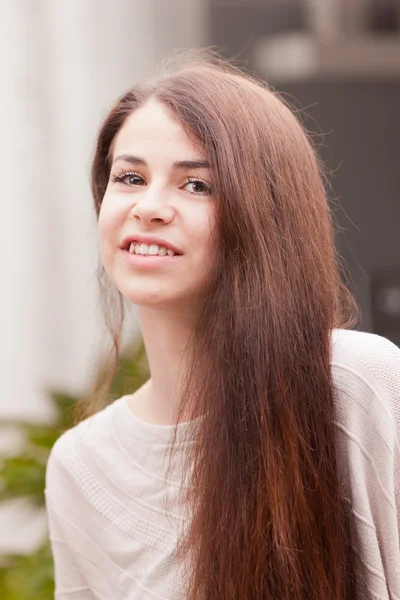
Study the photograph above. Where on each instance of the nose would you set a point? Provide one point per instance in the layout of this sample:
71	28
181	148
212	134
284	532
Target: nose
153	206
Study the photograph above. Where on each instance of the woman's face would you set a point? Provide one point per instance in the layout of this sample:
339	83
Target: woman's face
157	216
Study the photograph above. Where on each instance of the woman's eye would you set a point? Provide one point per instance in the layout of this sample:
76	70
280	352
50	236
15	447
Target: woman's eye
129	179
197	186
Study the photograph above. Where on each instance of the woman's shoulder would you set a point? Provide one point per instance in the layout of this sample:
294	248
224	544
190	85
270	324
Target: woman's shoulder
366	377
367	355
67	459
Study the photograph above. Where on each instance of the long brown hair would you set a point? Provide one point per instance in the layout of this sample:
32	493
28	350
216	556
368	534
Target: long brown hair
268	516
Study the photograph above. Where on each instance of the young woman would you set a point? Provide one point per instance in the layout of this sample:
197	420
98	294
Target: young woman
261	459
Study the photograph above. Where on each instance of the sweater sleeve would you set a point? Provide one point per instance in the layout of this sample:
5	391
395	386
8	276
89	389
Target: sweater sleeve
70	583
381	358
366	371
392	382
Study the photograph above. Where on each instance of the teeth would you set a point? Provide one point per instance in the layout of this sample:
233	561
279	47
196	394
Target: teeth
153	249
149	250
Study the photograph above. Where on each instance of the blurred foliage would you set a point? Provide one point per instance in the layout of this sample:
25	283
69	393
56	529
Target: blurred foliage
30	577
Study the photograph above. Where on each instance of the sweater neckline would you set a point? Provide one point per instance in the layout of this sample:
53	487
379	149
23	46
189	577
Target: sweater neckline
131	428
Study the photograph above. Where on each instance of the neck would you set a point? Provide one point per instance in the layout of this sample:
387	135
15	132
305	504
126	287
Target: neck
166	338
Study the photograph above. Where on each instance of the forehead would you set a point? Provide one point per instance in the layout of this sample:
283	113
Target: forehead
153	128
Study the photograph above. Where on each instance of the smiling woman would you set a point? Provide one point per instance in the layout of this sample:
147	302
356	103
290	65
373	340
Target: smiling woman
261	459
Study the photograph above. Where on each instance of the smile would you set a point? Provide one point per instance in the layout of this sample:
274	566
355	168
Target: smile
148	261
150	250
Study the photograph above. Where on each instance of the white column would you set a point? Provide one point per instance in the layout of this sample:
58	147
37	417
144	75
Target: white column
25	173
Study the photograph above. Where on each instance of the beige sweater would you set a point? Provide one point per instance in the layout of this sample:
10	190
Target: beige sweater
114	515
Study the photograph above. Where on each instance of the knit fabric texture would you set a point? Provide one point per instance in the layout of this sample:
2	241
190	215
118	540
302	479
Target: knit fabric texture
115	509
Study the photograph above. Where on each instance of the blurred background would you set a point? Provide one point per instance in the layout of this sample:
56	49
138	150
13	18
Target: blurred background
63	63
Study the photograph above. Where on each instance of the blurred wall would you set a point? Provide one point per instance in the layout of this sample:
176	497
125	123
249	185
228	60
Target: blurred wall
359	119
361	122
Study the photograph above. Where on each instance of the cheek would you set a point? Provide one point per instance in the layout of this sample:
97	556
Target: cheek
209	233
109	218
203	236
107	231
103	225
203	226
102	231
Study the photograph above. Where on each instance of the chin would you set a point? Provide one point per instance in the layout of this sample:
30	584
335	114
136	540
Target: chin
156	299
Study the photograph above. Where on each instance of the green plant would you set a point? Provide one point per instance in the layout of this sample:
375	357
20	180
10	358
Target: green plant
30	577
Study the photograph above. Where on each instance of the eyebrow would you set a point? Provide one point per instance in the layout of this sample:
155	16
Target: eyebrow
180	164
